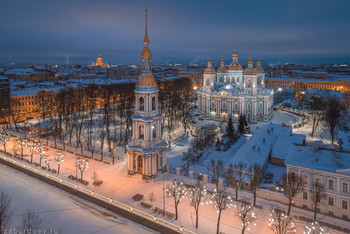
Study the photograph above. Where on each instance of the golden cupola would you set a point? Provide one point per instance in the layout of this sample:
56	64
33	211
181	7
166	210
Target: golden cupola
235	65
146	52
250	69
222	68
259	68
210	69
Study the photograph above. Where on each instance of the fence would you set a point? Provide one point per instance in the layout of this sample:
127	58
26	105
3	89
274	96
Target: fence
129	212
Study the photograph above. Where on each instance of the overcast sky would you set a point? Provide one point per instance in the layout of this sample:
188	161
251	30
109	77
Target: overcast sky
46	31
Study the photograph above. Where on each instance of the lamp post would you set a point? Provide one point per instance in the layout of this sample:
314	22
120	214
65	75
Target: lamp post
163	192
76	163
113	154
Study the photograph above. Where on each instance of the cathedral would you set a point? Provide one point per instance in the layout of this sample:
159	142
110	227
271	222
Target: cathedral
99	62
234	91
146	148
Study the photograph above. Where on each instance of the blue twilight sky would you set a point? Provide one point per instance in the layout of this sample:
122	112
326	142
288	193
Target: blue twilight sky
183	31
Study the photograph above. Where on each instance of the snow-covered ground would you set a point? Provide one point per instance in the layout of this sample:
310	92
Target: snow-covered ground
57	209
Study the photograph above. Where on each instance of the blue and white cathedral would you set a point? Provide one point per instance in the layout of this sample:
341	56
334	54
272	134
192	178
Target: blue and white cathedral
146	148
234	91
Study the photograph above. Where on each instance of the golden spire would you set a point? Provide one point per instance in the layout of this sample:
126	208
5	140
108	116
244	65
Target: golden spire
146	40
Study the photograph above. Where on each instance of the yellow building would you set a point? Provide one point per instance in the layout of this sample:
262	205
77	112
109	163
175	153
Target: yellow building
99	62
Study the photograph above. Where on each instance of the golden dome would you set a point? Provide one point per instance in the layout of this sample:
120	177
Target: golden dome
235	54
260	70
235	66
222	63
250	71
258	62
146	80
250	62
222	69
209	70
146	53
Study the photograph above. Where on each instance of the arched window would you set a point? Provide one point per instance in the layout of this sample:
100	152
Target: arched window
207	82
249	83
142	103
153	103
236	107
213	105
154	131
141	131
248	106
260	115
224	105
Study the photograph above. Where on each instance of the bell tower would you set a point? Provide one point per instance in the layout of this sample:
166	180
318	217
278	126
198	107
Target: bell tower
146	148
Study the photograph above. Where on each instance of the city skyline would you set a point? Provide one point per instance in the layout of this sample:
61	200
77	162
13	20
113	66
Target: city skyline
182	32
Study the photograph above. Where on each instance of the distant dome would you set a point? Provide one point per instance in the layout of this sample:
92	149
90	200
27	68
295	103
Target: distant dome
258	68
146	80
222	69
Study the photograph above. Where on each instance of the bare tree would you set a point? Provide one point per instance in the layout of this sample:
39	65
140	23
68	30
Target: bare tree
315	228
197	194
255	172
222	201
316	113
31	144
101	138
30	221
318	193
20	145
47	161
82	165
332	115
292	185
280	223
40	149
4	138
59	160
5	211
237	176
217	168
244	210
177	191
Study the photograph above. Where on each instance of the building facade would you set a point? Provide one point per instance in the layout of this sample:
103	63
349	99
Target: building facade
99	62
146	148
235	92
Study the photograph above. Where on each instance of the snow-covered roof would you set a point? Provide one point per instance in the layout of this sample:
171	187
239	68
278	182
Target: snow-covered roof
20	71
319	159
258	147
283	143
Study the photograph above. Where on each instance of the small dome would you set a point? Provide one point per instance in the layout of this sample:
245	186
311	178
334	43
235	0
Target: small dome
258	68
146	80
210	69
222	69
250	71
235	66
146	53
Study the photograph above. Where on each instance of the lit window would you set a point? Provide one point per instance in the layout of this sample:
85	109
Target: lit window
305	179
345	187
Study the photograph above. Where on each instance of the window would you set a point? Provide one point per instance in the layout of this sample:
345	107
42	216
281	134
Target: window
344	204
331	184
213	105
153	103
305	195
224	106
142	103
318	180
141	131
260	106
248	107
345	187
154	130
330	201
236	107
305	179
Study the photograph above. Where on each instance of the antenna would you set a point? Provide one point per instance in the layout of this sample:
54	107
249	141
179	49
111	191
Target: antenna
67	60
